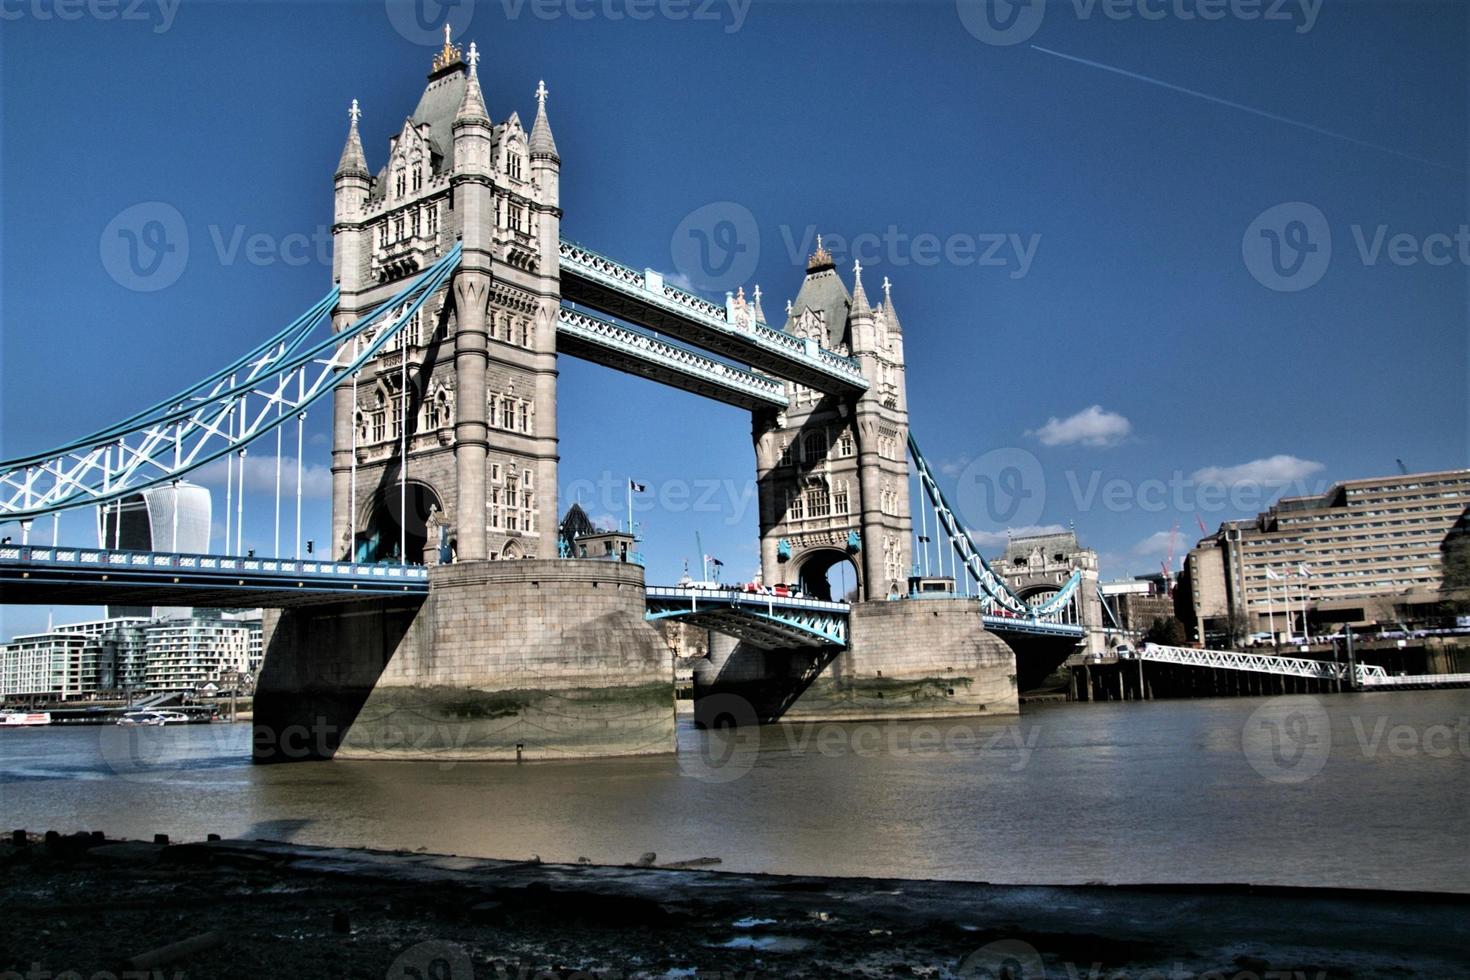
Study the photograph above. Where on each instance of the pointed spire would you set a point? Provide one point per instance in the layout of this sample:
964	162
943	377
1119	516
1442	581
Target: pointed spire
860	305
759	313
888	309
472	106
353	161
542	145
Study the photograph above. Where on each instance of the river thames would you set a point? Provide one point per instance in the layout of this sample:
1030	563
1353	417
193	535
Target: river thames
1365	790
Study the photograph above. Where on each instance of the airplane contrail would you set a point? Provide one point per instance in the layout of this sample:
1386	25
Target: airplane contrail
1245	108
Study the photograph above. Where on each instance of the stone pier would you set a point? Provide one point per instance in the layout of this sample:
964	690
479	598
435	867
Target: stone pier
930	658
533	659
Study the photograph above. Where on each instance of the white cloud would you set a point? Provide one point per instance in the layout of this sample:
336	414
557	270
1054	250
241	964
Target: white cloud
1277	470
988	541
1156	544
1093	426
260	477
953	467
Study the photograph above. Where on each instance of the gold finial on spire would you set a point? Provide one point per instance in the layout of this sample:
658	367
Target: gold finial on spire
821	258
449	54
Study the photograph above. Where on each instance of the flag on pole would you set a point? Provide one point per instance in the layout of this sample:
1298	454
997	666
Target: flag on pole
637	487
714	561
1272	576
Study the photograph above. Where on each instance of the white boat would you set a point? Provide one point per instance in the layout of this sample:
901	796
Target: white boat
24	719
153	717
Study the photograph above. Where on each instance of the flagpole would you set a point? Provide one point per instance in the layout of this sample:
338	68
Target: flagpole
630	506
1270	611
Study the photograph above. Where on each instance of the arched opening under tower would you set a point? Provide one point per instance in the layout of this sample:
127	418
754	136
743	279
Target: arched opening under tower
387	536
830	575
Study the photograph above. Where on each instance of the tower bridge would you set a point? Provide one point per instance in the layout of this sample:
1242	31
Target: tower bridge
445	599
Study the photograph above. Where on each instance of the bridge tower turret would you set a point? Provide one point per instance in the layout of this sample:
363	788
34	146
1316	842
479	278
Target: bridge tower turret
352	184
832	471
468	391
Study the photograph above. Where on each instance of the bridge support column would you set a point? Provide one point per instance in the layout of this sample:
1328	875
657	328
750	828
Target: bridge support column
471	300
535	659
928	658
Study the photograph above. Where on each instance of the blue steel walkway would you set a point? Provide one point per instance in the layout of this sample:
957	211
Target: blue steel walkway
96	576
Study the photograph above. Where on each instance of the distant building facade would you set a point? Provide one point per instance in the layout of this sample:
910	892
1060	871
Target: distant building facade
129	656
1365	551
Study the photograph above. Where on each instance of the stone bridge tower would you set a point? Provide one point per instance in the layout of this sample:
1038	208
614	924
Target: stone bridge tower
474	406
833	472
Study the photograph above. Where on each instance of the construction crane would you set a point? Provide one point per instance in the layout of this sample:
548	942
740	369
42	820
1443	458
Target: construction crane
1168	563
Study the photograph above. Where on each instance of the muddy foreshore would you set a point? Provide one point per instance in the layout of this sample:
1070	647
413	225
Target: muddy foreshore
83	906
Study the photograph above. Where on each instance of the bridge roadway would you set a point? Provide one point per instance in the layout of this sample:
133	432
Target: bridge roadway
95	576
597	282
46	575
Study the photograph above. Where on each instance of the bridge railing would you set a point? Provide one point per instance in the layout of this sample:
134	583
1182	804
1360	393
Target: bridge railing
103	558
621	277
742	598
1261	663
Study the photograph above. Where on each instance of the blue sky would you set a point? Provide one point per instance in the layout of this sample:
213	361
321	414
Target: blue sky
1078	227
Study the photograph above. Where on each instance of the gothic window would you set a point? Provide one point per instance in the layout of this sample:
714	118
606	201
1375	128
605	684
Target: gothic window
844	443
525	426
495	472
418	178
525	333
513	164
398	228
379	416
433	219
839	499
818	503
400	182
383	235
794	510
507	413
417	218
814	447
526	479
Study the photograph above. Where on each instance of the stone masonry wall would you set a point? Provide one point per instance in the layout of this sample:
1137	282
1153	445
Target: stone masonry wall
504	660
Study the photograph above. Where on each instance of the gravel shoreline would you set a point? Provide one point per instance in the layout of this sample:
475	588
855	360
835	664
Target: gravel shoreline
85	906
